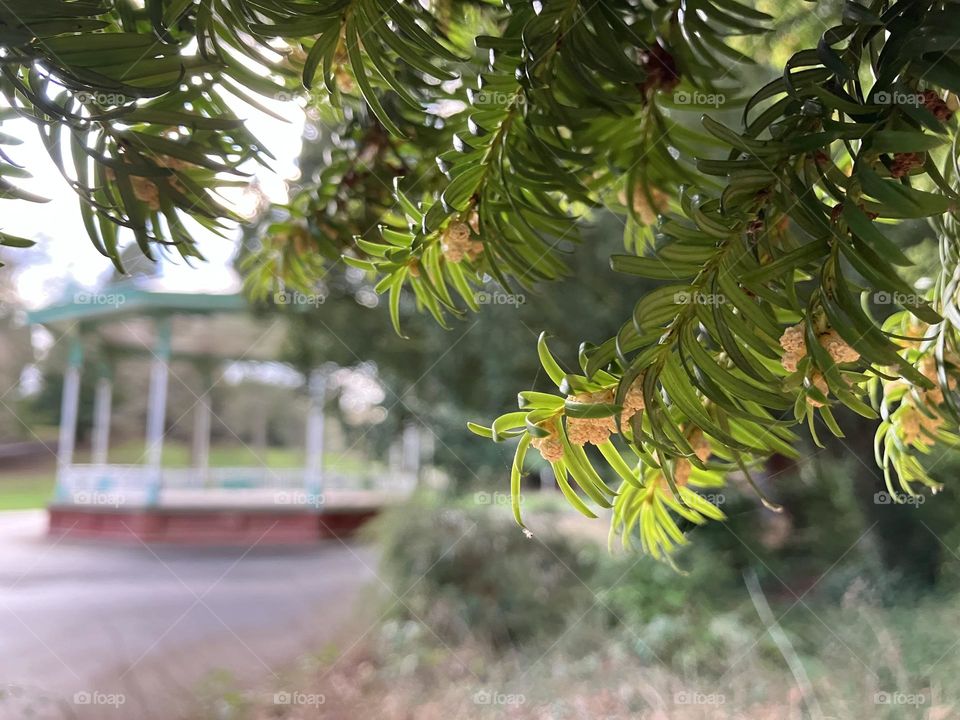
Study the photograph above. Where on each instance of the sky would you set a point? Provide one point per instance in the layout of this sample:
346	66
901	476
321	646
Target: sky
64	254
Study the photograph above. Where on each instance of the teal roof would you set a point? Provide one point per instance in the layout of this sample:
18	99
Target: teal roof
122	317
128	298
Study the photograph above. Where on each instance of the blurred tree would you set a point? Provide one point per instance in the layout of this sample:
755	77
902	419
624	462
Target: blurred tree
17	353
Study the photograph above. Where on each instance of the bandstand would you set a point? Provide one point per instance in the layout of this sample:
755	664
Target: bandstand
140	320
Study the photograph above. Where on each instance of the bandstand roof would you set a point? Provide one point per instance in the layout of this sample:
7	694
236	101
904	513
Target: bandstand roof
123	317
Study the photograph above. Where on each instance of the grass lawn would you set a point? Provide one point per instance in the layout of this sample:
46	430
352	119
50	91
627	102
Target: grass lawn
177	455
26	490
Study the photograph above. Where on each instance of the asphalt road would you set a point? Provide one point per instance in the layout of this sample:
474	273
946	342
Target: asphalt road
105	631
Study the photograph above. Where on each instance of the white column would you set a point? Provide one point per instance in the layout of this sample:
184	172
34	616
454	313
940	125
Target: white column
395	460
201	429
411	451
102	401
428	471
317	388
157	403
70	405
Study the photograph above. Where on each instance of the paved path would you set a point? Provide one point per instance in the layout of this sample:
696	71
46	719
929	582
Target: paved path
153	623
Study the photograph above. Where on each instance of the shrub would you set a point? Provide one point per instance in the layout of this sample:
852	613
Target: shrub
470	574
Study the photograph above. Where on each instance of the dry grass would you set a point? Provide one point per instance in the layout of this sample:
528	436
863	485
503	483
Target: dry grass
402	672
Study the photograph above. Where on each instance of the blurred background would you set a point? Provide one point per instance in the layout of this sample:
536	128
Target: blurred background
440	607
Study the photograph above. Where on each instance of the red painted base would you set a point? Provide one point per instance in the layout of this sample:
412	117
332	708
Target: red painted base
207	526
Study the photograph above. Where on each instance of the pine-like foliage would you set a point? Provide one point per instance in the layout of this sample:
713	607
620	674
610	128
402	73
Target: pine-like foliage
468	139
